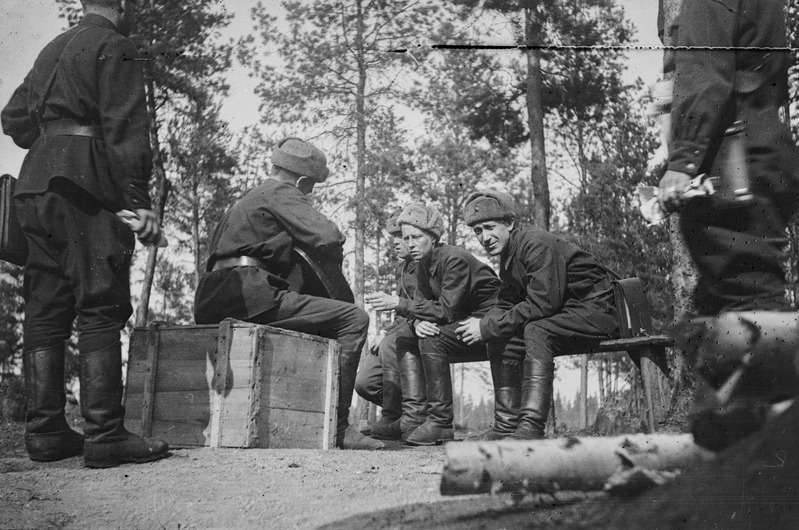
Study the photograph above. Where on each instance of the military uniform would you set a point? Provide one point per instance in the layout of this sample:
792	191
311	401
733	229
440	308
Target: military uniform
248	276
723	96
89	156
451	285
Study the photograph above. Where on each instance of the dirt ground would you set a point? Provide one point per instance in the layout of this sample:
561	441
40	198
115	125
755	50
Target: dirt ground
755	484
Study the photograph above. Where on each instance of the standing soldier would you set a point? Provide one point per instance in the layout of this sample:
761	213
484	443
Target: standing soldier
555	299
730	89
379	377
81	113
250	262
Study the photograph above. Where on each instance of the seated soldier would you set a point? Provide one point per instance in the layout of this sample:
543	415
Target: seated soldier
250	260
451	285
378	379
555	299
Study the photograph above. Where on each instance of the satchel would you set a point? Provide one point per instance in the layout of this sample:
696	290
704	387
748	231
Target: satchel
13	246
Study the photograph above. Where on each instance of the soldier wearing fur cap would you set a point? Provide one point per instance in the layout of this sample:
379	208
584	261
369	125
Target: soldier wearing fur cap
555	299
451	285
251	264
379	378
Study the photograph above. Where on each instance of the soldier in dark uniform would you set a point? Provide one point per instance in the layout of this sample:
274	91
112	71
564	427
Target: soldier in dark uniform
726	123
379	377
555	299
81	113
251	261
451	284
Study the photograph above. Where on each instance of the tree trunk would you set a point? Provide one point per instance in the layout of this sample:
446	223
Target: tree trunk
566	464
535	119
583	392
162	187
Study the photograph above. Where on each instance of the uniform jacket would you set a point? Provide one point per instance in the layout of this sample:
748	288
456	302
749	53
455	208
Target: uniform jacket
451	285
406	287
714	87
543	275
265	224
99	83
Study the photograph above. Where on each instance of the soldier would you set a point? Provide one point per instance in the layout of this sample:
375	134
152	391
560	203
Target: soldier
555	299
451	285
81	113
379	378
730	86
250	262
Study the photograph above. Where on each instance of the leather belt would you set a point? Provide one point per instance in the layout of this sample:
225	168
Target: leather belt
69	128
239	261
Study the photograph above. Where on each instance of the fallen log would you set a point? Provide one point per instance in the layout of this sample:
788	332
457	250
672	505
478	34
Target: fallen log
565	464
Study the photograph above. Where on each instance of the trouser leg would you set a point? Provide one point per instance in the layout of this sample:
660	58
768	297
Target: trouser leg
739	254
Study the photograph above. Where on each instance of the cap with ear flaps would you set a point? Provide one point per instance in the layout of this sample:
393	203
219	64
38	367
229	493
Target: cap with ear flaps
489	205
423	217
302	158
392	227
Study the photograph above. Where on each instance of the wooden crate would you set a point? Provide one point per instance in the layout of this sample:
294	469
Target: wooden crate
232	385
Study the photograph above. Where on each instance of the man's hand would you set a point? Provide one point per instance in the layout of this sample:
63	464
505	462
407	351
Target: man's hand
672	186
469	331
374	344
382	301
425	329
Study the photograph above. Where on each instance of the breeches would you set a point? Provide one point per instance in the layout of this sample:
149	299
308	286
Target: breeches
78	265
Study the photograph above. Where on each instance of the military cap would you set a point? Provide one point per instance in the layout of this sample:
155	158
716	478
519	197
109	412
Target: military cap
392	227
423	217
488	205
302	158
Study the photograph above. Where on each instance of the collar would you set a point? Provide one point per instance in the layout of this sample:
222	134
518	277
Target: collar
97	20
511	249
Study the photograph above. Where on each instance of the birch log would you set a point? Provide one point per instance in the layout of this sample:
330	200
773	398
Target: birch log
565	464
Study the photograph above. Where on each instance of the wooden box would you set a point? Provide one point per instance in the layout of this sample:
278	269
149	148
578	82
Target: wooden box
232	385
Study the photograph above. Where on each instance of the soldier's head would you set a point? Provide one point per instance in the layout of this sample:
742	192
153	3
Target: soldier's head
120	12
300	163
492	216
394	231
422	227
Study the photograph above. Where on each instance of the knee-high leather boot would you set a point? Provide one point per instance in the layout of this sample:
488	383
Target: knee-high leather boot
108	443
414	392
506	377
438	427
48	436
347	436
388	428
537	376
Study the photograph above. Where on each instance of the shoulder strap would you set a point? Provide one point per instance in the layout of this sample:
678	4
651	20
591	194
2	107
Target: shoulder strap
48	85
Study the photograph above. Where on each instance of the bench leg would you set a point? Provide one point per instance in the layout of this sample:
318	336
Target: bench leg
651	358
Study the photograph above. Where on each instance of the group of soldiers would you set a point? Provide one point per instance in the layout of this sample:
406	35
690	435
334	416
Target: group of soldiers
81	113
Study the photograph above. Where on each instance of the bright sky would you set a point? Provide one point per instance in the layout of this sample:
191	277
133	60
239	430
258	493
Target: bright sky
27	25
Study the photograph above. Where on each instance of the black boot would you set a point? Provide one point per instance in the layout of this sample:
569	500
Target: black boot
347	436
438	427
414	392
388	428
505	374
48	436
108	443
536	397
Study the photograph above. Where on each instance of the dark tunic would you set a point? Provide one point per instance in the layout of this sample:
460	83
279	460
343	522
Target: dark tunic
543	275
98	82
265	224
737	247
451	285
70	186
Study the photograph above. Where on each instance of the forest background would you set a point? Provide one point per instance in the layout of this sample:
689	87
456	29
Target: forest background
545	99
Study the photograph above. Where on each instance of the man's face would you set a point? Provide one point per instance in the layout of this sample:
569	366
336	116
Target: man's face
493	235
420	243
400	247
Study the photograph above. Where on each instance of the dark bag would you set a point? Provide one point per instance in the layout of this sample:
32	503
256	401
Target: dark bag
13	246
